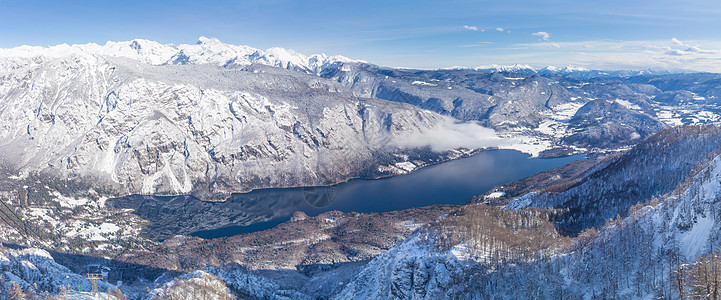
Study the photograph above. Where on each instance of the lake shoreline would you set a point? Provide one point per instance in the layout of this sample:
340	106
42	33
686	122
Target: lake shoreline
453	182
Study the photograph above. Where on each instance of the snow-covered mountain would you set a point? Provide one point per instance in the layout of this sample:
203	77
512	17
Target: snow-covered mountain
569	70
208	119
517	68
142	117
516	100
205	51
632	256
546	106
35	270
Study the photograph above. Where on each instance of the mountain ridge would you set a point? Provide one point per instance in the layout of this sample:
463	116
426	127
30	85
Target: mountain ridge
213	51
205	51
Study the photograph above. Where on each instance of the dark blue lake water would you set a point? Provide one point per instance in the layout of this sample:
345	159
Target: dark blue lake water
453	182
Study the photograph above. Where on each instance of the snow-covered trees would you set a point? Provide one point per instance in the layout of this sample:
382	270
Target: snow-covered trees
197	285
700	279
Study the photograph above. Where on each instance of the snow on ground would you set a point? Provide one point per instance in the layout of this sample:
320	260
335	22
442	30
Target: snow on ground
549	127
693	241
554	126
69	201
565	111
530	145
101	201
706	117
391	169
89	296
34	252
410	224
495	195
93	232
406	166
521	202
669	117
691	114
460	251
40	213
417	82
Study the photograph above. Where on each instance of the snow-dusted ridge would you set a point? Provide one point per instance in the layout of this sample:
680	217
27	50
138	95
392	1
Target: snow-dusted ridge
630	257
563	70
213	51
521	68
515	68
209	118
205	51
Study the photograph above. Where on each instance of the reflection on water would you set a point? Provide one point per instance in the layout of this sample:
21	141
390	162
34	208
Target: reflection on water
320	196
453	182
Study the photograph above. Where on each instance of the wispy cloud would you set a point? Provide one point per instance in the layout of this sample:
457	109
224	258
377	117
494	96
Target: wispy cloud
469	27
542	34
452	134
499	29
672	54
690	49
479	44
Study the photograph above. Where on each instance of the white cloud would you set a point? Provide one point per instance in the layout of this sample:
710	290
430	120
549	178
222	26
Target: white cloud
542	34
472	28
499	29
694	49
656	47
674	54
452	134
690	49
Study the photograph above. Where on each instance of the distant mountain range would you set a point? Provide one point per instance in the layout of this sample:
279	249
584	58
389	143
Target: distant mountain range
575	71
205	51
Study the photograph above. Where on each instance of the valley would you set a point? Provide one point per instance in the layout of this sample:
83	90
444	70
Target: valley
269	174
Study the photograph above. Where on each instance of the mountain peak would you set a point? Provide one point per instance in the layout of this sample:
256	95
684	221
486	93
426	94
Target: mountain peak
205	51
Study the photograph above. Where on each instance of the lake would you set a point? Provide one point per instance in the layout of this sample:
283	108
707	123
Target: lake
452	182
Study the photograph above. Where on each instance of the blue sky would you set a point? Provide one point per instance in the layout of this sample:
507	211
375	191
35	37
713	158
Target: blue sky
609	34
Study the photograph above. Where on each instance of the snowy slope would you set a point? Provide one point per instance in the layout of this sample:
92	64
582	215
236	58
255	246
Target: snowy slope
652	168
134	127
33	266
629	258
411	270
205	51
